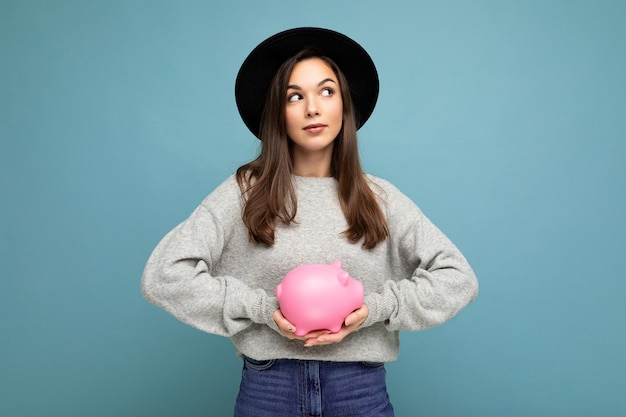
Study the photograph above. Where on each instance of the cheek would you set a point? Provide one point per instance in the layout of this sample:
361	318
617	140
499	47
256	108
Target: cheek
337	119
338	112
290	120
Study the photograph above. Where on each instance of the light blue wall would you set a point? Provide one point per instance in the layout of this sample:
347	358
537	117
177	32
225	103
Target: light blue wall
504	120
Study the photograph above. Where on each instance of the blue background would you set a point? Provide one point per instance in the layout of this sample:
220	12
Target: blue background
504	120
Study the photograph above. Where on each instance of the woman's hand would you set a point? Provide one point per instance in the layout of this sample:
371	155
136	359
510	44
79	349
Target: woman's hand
289	330
352	322
322	337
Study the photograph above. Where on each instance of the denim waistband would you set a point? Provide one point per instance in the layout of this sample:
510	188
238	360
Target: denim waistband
310	388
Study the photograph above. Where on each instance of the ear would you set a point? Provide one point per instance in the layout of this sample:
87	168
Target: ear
337	263
343	278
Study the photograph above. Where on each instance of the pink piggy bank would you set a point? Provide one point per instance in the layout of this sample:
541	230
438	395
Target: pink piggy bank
318	297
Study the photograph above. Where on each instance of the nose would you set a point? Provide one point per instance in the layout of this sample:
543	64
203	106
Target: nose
312	108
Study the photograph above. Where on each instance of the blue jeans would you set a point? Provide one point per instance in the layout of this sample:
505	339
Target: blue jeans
296	388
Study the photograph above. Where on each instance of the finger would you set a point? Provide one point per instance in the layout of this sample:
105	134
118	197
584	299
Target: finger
326	339
286	325
357	316
315	334
353	318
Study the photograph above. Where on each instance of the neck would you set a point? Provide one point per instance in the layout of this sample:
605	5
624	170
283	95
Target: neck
312	165
318	173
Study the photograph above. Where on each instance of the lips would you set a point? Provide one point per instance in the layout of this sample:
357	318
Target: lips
314	128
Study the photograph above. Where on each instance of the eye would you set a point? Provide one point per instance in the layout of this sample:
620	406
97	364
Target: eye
293	97
327	92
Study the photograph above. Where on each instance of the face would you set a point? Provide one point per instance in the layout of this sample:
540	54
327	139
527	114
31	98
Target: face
314	109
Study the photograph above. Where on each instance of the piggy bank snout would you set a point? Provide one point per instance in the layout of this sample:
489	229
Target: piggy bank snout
279	291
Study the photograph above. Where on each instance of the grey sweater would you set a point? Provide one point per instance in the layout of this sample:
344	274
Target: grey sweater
206	273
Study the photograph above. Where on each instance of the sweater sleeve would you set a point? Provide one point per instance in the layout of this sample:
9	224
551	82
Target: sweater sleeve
178	278
441	281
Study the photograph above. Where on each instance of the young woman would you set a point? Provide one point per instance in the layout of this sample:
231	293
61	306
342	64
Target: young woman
305	199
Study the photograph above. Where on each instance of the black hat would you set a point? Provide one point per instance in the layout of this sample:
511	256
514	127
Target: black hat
259	68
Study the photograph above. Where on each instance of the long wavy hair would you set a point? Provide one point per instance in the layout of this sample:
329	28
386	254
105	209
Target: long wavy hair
266	182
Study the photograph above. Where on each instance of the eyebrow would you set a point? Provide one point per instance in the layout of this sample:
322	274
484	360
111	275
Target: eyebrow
324	81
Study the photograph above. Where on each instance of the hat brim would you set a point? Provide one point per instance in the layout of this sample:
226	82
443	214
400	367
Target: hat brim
259	68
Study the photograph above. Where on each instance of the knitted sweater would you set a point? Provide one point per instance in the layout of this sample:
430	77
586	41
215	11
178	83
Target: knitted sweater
206	273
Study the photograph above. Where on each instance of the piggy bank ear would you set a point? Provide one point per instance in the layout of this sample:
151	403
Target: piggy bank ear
337	264
343	278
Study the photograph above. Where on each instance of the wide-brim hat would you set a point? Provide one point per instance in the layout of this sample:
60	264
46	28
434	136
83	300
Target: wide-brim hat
259	68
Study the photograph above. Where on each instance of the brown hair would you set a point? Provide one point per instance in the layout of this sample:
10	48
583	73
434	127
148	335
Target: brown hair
266	182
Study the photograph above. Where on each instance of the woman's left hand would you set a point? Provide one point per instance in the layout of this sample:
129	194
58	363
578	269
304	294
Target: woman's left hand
350	324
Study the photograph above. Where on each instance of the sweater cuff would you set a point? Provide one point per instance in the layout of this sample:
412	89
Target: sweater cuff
271	305
255	305
265	308
380	307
